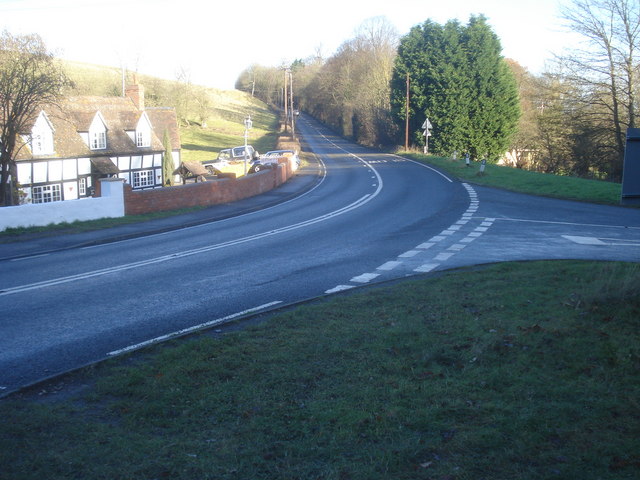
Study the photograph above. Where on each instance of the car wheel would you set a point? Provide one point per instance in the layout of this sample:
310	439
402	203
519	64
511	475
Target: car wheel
257	168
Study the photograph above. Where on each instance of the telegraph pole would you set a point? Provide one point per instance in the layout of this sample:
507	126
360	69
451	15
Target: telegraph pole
406	126
293	125
286	101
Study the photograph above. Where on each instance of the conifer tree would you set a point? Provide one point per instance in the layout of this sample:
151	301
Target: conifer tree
459	80
168	166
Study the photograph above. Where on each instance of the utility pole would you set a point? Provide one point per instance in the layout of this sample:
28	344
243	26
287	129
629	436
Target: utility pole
286	101
293	125
406	126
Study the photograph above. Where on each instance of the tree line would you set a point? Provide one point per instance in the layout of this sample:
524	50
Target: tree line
571	119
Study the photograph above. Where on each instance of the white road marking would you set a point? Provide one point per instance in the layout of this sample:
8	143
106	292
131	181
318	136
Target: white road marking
441	257
584	240
340	288
427	267
426	245
193	329
365	277
28	258
197	251
409	254
323	176
618	242
426	166
389	266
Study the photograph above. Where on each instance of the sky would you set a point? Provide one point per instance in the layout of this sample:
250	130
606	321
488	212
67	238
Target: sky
213	41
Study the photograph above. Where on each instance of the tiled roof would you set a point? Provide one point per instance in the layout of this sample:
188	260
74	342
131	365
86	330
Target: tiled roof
75	115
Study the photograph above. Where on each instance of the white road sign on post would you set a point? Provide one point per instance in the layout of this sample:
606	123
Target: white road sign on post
426	126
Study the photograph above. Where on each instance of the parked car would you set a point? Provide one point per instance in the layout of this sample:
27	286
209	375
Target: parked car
230	155
270	159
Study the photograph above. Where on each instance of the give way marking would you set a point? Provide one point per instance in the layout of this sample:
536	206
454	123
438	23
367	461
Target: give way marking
617	242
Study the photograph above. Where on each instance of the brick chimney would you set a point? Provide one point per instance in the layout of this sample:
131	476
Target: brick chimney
136	93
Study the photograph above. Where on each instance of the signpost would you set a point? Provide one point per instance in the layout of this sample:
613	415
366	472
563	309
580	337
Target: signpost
247	126
426	126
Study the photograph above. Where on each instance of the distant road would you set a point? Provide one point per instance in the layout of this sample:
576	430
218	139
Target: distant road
373	217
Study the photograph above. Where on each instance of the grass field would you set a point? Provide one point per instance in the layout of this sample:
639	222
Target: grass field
225	127
534	183
535	375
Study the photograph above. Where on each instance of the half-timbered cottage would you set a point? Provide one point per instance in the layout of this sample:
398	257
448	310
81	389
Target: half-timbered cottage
71	145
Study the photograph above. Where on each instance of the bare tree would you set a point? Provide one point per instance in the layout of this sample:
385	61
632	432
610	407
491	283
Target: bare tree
29	78
606	68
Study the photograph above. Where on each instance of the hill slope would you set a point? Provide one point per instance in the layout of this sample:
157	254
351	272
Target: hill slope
210	119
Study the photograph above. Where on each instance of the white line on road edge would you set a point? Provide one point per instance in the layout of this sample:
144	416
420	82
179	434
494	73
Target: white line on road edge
426	166
184	331
365	277
339	288
173	256
323	176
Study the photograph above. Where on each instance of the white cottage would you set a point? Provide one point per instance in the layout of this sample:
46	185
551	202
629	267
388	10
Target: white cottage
71	145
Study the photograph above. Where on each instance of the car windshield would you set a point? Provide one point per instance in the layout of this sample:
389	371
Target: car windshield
239	151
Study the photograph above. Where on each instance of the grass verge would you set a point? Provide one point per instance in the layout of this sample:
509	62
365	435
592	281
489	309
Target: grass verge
534	183
511	371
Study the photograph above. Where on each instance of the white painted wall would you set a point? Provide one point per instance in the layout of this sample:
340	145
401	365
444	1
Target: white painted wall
109	205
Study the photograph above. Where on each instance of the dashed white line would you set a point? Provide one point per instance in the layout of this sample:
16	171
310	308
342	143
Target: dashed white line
365	277
195	328
409	254
389	266
339	288
427	267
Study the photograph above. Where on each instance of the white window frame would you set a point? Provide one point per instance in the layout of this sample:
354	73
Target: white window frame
98	140
143	138
143	178
46	193
82	186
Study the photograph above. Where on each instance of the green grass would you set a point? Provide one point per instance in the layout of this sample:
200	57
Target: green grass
225	127
512	371
535	183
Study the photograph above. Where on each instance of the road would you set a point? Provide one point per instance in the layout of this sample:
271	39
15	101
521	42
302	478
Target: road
372	217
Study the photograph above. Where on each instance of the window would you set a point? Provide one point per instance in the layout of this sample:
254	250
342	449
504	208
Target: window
143	138
82	186
46	194
143	178
98	133
98	140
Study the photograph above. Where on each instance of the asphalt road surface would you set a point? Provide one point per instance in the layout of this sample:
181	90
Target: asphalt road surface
371	217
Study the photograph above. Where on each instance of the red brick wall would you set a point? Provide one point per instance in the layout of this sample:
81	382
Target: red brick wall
204	194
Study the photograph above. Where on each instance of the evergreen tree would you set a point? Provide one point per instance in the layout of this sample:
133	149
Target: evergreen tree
168	166
461	83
